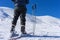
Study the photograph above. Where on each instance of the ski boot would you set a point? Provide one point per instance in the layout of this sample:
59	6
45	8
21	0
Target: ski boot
23	32
13	33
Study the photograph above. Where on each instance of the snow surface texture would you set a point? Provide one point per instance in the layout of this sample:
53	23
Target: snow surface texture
45	25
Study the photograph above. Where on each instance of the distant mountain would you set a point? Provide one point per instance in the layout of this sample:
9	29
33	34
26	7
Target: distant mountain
5	12
44	25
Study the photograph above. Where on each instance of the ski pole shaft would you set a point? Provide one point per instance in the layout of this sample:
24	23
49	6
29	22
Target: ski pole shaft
34	24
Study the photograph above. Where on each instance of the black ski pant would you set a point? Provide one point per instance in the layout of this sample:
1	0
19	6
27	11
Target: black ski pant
19	11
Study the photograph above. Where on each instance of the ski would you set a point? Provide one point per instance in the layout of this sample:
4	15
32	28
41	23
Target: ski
35	36
14	38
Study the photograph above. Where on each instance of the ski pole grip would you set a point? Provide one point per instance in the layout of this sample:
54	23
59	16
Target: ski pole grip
34	6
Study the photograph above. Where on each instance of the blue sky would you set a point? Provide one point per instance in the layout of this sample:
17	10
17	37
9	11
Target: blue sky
44	7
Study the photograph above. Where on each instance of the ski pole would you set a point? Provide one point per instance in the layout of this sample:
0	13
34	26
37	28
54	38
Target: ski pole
34	24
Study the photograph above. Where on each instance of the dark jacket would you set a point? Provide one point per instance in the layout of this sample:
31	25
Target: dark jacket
20	2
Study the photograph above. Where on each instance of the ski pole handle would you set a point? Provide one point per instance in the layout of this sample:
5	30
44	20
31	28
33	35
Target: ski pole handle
34	6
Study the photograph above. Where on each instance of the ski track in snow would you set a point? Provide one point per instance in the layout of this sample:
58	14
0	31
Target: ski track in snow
45	25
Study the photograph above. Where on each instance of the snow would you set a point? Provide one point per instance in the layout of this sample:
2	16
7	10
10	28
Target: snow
45	25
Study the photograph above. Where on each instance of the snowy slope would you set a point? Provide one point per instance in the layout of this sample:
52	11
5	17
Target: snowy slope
45	25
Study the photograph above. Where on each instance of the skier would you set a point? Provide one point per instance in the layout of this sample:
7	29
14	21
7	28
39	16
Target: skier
20	10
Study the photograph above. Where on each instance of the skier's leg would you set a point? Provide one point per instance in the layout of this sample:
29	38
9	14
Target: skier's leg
16	15
23	20
23	23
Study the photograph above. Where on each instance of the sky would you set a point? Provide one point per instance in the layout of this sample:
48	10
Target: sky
44	7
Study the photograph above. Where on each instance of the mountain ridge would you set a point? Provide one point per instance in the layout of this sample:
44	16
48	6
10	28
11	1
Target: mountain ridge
44	25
